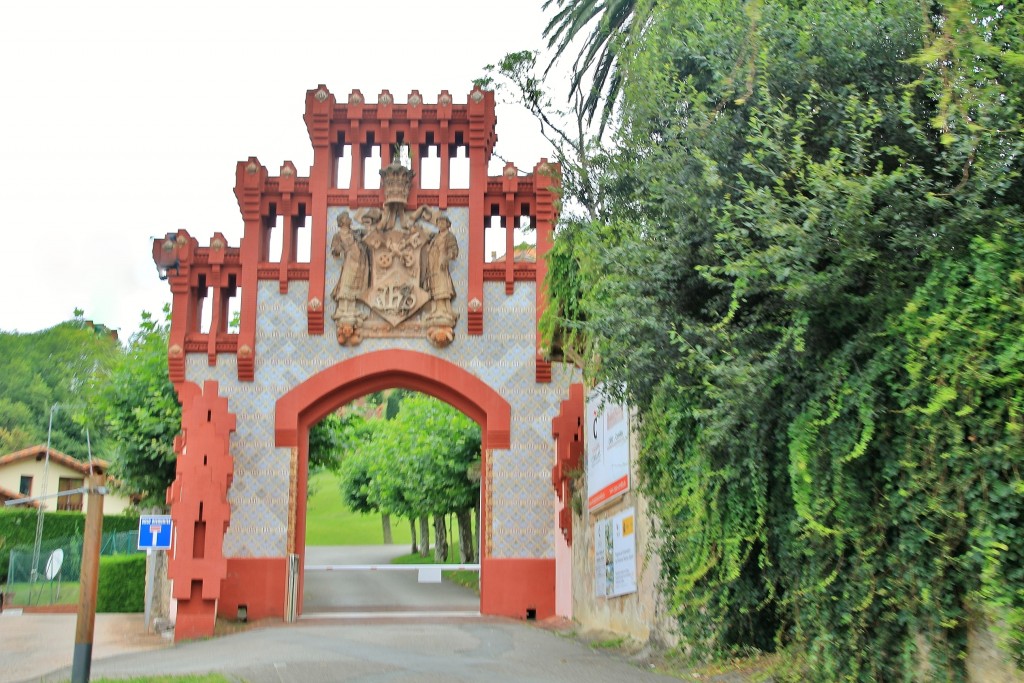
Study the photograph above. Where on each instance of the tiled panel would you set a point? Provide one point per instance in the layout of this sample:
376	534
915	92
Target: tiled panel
522	498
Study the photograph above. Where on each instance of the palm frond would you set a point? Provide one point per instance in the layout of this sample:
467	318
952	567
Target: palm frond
595	77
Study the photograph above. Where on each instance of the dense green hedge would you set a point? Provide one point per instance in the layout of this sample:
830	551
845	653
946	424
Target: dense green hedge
805	275
122	584
18	528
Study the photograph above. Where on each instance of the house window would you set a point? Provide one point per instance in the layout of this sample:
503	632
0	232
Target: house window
25	487
69	502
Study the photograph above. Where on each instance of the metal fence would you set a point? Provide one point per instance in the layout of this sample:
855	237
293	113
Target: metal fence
55	580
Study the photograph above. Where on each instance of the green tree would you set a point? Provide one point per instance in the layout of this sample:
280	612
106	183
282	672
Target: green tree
597	60
418	464
333	437
801	274
138	408
53	367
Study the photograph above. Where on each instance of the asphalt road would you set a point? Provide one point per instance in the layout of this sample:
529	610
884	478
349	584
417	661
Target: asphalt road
386	650
380	627
333	592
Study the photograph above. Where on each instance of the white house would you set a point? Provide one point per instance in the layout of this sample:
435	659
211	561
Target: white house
27	473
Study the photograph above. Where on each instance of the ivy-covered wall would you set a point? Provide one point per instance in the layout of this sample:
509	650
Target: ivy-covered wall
805	273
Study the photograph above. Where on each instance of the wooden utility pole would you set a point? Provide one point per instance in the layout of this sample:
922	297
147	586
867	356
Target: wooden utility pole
88	580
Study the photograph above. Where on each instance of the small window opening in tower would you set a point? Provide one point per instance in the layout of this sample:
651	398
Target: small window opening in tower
369	152
494	236
525	237
205	305
430	164
265	233
342	164
234	308
275	245
458	172
401	152
302	236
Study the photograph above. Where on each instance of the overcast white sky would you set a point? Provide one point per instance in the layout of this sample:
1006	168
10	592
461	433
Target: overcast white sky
121	120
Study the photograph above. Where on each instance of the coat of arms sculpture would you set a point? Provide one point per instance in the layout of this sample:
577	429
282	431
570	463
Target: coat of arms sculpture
393	267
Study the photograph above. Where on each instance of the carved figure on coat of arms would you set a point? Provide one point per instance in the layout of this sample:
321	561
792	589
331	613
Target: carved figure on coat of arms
394	265
354	279
442	250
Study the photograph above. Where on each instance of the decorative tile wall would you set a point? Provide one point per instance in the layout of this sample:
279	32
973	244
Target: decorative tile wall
522	498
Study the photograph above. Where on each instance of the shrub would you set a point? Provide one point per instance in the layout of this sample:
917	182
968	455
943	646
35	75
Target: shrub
122	584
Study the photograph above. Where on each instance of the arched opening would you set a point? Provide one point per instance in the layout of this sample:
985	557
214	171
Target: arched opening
392	513
308	403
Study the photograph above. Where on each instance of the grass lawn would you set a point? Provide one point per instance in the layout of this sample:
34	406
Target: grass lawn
462	577
45	593
330	522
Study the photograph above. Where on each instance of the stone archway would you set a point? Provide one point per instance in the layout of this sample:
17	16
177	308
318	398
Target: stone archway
398	291
309	402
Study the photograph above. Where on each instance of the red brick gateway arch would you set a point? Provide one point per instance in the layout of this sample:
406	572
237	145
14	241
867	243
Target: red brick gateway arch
396	291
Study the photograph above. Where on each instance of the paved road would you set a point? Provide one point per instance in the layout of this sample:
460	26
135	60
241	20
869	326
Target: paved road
394	650
376	591
373	640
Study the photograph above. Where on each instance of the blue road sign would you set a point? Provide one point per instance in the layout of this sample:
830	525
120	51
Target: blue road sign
155	532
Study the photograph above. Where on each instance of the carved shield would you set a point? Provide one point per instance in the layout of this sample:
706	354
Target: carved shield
396	261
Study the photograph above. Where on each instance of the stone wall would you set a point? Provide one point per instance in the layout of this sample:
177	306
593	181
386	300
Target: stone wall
640	616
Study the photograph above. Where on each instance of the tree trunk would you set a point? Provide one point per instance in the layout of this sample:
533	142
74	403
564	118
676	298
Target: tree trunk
440	540
412	533
385	525
424	536
476	529
466	551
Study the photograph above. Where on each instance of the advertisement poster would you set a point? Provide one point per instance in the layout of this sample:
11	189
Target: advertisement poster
607	450
615	555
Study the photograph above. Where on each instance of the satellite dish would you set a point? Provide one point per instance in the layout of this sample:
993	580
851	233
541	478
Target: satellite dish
53	564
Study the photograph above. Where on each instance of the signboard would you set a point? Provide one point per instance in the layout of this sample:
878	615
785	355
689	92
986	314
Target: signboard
615	555
607	450
155	532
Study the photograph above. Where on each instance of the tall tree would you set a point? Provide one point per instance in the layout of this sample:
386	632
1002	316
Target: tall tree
797	195
138	408
47	373
418	464
595	79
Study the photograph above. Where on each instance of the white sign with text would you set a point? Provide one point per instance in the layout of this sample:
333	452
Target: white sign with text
607	450
615	555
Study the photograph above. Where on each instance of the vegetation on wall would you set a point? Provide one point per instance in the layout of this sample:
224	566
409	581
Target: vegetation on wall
801	264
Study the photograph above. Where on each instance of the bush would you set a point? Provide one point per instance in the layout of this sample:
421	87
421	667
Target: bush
122	584
18	528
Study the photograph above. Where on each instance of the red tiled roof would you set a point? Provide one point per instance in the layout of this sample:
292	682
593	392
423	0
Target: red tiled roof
524	253
39	452
7	494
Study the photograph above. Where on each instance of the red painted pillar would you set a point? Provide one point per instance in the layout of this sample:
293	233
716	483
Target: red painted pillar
218	282
444	117
319	112
182	306
509	216
200	509
481	142
354	113
250	179
545	183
